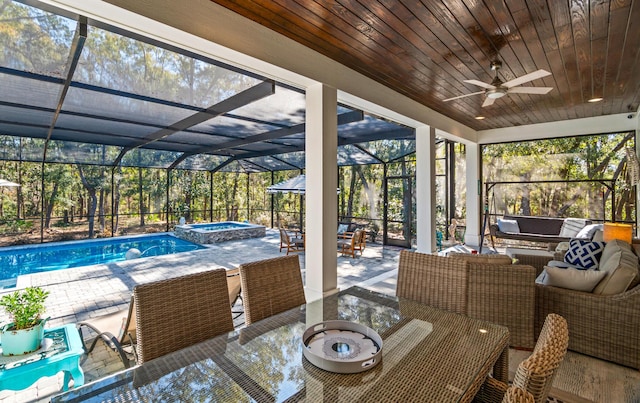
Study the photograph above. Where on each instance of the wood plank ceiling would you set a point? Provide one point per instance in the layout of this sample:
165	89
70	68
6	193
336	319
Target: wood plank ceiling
425	49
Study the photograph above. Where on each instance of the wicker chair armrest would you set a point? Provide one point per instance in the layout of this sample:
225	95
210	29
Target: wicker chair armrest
536	261
594	319
491	391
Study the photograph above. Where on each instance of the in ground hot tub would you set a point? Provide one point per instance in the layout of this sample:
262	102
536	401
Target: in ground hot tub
219	231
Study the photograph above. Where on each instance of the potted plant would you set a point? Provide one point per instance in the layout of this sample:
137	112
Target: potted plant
23	335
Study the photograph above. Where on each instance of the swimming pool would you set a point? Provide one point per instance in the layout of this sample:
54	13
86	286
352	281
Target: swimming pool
29	259
215	232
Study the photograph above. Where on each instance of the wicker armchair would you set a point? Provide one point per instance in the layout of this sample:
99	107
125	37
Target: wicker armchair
179	312
602	326
271	286
498	293
592	318
536	373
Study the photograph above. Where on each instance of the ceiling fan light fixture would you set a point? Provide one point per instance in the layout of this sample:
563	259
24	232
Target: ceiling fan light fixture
595	99
479	117
496	93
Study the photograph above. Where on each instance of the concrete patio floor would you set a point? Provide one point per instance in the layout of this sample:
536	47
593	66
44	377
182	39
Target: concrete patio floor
79	294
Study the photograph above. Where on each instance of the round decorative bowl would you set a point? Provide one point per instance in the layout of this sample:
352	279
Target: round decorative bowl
341	346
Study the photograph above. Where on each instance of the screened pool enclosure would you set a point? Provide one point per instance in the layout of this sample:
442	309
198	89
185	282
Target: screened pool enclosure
108	133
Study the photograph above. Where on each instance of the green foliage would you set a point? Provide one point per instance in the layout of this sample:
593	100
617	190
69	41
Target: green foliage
25	307
574	163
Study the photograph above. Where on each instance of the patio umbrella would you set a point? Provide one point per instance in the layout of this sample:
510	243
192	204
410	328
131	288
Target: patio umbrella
4	182
294	185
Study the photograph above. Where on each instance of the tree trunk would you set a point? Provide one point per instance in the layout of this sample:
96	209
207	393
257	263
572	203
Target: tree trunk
101	218
50	204
141	197
352	189
19	198
91	206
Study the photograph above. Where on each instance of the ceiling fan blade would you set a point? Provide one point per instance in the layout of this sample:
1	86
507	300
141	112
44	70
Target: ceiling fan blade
488	101
480	84
463	96
526	78
529	90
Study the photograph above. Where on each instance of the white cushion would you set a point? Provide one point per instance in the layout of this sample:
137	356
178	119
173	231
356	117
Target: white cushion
621	270
573	279
342	228
571	227
589	230
510	226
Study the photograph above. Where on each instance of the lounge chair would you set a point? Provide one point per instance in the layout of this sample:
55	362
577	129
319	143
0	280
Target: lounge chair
105	327
235	287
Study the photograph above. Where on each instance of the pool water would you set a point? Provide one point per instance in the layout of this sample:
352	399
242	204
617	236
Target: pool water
219	226
21	260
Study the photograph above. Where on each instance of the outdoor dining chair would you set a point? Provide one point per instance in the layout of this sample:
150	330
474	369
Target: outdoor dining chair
271	286
178	312
515	394
121	323
536	373
292	241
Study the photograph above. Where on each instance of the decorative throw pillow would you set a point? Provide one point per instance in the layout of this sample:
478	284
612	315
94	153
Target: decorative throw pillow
342	228
573	279
584	254
571	227
508	226
589	230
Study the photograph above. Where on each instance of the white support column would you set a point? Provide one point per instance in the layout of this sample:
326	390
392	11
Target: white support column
474	203
321	261
426	189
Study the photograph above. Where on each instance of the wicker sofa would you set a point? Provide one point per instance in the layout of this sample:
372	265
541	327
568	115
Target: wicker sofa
496	292
602	326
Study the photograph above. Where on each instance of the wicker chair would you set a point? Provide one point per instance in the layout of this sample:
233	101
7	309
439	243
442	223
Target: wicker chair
592	318
498	293
515	394
536	373
176	313
271	286
105	327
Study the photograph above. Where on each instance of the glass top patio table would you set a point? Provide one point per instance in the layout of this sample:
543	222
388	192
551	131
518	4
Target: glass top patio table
428	355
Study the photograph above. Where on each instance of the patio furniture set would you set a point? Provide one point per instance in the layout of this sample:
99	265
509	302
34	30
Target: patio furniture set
602	307
352	238
430	354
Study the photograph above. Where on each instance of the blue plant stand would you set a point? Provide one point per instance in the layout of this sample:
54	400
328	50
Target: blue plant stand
62	352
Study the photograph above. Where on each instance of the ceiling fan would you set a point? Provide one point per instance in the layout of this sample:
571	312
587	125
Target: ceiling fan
498	89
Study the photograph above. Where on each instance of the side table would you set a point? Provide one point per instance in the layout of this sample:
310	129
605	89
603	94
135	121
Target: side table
61	351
